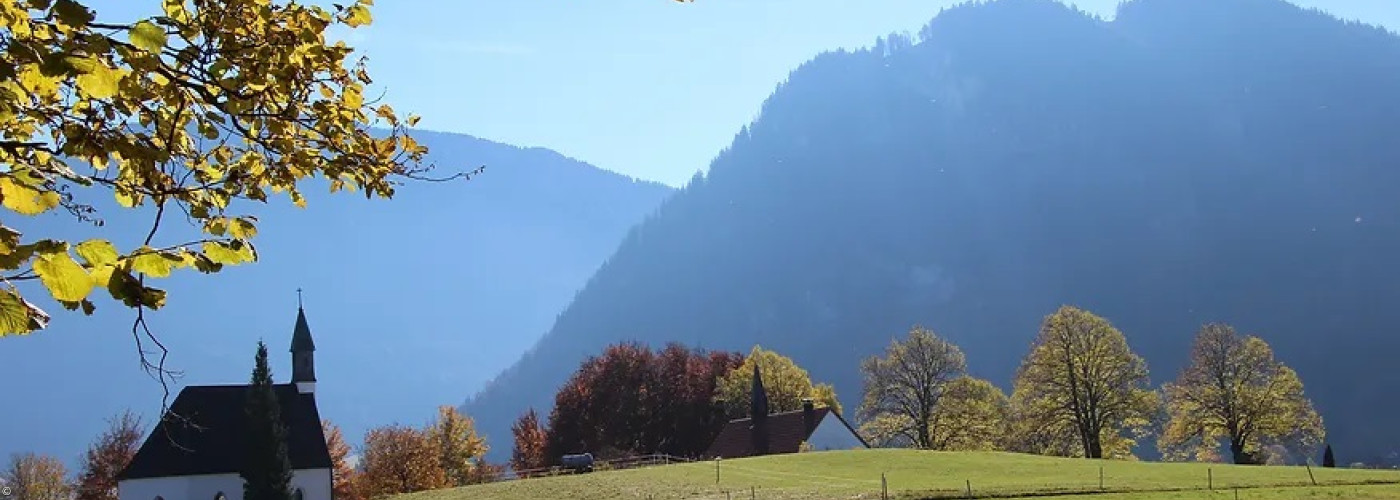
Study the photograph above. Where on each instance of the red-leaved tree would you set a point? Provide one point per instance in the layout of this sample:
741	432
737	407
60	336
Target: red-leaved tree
629	400
107	456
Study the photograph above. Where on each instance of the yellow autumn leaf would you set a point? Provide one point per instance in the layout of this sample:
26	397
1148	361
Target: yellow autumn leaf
228	253
151	263
33	80
97	252
175	9
24	199
18	317
357	15
102	276
100	83
242	229
148	36
65	279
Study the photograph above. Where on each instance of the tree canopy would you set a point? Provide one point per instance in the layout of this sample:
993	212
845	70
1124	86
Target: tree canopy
184	113
399	459
107	456
529	450
342	474
458	445
1234	391
629	399
785	383
36	477
1081	390
906	386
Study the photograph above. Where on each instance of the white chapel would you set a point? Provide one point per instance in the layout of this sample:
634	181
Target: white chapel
195	451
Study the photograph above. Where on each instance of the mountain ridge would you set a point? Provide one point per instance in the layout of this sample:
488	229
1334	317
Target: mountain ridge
949	182
409	300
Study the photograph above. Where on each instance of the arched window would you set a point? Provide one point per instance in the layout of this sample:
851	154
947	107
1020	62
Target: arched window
297	495
158	497
220	496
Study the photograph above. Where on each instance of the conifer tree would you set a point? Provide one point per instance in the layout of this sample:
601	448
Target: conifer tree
266	471
1327	459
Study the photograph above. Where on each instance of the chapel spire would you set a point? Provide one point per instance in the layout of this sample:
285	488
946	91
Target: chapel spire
758	413
303	353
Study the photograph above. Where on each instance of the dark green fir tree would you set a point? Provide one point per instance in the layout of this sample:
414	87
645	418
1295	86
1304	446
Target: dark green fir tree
1327	459
266	471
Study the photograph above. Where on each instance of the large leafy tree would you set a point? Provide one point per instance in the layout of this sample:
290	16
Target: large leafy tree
107	456
266	469
181	114
630	399
342	475
971	416
907	385
1081	381
1234	391
683	395
785	383
459	447
399	459
36	477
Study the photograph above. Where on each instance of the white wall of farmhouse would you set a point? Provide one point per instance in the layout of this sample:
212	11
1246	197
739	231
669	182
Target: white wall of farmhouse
830	434
315	484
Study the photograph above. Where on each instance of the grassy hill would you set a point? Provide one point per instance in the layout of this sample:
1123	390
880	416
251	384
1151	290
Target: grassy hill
928	475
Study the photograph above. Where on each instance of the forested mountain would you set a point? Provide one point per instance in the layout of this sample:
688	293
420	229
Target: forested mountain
411	301
1188	161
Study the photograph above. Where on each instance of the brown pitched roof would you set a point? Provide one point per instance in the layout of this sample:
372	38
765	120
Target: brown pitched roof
785	434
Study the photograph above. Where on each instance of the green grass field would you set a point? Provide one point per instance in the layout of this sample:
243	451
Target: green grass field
929	475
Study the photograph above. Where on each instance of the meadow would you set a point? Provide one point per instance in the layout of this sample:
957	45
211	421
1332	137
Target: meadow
909	475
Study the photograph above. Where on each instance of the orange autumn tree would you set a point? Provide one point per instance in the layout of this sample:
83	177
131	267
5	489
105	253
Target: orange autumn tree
459	447
530	442
35	477
342	475
399	459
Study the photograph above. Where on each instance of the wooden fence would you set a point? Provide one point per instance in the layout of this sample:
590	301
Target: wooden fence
633	462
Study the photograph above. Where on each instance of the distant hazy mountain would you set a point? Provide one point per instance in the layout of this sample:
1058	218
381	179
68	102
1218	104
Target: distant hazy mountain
1189	161
412	301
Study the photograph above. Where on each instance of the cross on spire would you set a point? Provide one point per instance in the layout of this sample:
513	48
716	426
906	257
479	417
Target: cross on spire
298	297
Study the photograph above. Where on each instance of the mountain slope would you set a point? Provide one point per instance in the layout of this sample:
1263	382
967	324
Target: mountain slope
1190	161
412	301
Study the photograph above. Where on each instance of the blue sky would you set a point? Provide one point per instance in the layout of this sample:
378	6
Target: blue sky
649	88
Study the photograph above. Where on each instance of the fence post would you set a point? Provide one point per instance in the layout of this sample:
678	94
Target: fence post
753	494
716	471
1210	478
884	488
1100	477
969	488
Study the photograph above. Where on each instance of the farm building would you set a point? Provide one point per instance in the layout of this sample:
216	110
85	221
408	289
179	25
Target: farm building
195	452
765	433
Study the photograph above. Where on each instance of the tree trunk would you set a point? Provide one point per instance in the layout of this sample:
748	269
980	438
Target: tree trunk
1095	448
1238	454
